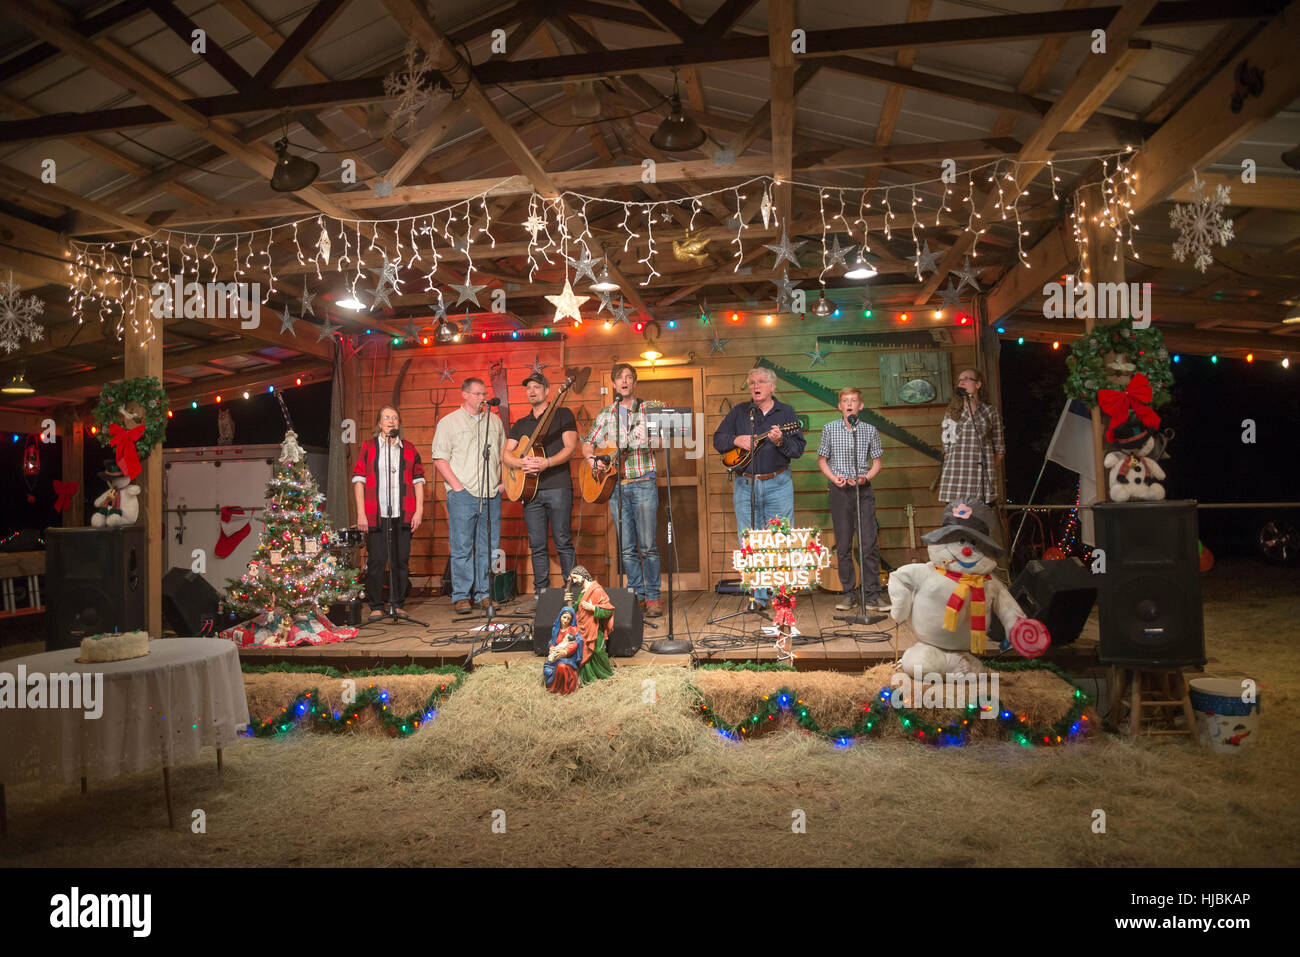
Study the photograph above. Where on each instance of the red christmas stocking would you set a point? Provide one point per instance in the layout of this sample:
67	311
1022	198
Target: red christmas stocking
234	529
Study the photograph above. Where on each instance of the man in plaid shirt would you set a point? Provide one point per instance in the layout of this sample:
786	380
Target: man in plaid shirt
852	500
973	444
634	506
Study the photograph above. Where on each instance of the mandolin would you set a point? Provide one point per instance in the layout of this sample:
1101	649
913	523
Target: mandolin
736	459
520	486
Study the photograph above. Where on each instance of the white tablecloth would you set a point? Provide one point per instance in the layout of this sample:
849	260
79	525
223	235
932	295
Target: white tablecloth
158	710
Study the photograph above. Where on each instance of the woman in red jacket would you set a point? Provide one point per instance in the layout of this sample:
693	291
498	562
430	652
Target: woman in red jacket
385	478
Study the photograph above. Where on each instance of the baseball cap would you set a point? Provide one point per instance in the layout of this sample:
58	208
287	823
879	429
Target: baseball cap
538	378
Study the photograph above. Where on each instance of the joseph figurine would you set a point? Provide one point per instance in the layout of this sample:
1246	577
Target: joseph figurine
594	613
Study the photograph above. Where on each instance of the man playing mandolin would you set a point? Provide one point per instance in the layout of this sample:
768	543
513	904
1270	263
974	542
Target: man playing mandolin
768	431
552	504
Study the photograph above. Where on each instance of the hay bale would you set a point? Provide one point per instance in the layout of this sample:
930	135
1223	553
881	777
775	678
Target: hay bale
836	699
270	694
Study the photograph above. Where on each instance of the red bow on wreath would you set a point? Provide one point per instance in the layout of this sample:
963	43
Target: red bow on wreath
123	442
1136	399
65	491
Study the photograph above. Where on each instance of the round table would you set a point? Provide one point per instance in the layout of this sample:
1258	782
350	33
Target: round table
103	719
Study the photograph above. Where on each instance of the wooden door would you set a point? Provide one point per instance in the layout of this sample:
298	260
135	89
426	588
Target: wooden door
681	386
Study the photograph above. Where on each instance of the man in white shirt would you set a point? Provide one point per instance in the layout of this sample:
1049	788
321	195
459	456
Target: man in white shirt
462	443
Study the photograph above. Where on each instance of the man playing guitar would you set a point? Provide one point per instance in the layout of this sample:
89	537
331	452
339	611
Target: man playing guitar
764	488
552	505
635	502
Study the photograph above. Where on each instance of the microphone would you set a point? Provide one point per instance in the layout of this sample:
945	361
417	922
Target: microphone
493	402
392	433
853	420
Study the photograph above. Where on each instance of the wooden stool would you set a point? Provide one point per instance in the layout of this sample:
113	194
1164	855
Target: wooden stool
1154	697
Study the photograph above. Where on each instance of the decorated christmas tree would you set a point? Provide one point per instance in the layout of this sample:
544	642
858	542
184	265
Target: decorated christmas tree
293	577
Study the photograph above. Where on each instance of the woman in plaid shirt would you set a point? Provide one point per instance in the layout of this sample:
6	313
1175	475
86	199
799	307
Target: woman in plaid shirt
973	444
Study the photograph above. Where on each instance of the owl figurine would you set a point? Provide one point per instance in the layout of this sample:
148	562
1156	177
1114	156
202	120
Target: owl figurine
225	427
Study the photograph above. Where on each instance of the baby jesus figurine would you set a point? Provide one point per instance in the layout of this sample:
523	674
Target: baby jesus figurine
565	656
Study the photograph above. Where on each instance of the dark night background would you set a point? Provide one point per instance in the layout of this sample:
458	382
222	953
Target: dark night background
1208	460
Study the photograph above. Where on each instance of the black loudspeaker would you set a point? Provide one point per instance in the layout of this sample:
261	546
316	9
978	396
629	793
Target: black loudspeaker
1149	597
1059	593
93	583
624	639
189	604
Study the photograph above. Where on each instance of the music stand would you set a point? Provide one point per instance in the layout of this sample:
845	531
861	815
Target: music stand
655	422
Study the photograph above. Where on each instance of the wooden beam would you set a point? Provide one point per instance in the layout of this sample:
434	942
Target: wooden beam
1045	57
780	24
761	122
1267	192
288	53
16	184
1199	132
670	18
724	18
50	21
243	379
917	11
88	27
1231	38
215	55
1093	83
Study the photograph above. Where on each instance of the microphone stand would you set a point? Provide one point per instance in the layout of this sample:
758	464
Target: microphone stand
751	608
861	617
390	544
478	523
670	645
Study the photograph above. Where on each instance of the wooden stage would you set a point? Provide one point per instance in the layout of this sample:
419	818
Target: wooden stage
448	639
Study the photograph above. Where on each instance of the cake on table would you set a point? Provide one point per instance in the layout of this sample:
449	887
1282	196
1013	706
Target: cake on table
130	644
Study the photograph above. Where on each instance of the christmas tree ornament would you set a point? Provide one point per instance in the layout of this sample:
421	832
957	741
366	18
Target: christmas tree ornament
1201	224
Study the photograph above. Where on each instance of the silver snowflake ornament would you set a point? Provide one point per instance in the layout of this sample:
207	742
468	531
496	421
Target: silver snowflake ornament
1201	224
18	316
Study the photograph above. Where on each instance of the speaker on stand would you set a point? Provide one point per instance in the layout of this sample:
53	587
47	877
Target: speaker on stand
93	582
1060	593
1149	595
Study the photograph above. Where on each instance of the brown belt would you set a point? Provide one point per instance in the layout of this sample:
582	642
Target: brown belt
766	475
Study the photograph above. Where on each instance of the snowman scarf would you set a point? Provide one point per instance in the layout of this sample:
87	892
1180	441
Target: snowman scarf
968	586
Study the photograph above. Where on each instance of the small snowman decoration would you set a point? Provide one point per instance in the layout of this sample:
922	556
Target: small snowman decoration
948	599
1134	474
120	504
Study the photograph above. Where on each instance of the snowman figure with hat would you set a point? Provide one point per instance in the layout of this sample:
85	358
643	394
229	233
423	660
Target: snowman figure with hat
119	505
1133	473
948	599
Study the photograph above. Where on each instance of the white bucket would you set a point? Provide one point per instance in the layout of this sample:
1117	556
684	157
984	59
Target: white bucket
1224	720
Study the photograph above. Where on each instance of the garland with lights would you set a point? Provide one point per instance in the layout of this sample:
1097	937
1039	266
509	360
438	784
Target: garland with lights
873	715
147	393
104	274
307	709
1144	348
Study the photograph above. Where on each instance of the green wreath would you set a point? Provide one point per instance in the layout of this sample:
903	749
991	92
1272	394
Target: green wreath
146	392
1145	348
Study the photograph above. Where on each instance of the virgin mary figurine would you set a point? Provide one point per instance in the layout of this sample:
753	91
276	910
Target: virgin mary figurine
565	656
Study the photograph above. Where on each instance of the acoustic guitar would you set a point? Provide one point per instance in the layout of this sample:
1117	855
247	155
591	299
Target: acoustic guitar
520	486
736	459
597	487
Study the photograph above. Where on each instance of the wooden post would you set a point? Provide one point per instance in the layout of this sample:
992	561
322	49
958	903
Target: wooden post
72	431
144	357
1103	261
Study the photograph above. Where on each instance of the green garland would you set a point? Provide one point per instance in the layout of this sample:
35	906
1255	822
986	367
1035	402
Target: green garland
306	707
1145	348
1069	727
148	393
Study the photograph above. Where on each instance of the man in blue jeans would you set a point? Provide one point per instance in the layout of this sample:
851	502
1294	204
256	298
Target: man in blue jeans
622	426
551	506
473	499
764	488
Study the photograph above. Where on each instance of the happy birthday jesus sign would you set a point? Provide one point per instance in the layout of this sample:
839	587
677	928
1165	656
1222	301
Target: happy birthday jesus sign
771	558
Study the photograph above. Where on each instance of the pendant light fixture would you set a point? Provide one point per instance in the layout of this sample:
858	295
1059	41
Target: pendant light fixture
861	269
678	133
447	332
603	283
292	173
18	385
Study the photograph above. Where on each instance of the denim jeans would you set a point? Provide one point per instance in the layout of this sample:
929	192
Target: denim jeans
637	535
465	529
553	507
773	498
